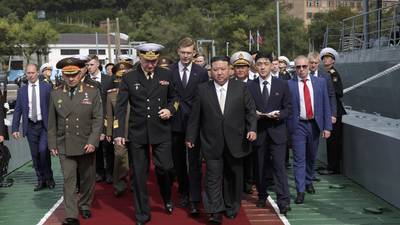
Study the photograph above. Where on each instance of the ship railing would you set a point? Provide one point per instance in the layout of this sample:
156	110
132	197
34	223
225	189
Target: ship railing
381	29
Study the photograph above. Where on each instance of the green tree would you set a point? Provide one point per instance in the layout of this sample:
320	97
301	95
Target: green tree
33	36
332	19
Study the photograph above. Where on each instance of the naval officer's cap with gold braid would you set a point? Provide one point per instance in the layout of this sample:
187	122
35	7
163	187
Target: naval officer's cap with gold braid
149	51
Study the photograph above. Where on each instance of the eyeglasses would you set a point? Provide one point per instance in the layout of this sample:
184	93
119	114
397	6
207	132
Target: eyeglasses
301	66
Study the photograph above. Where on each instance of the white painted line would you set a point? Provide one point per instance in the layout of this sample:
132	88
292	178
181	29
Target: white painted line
48	214
275	206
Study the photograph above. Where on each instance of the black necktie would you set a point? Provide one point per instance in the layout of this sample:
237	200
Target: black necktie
184	77
265	93
149	76
312	73
71	92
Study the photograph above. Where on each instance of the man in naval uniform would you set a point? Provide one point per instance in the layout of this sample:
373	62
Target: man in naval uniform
334	144
241	62
121	162
151	95
75	124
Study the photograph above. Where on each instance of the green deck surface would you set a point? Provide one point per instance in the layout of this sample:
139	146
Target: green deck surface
339	206
19	204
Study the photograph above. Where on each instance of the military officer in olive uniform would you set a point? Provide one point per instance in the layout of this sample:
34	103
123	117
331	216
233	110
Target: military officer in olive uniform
151	94
121	162
75	124
334	144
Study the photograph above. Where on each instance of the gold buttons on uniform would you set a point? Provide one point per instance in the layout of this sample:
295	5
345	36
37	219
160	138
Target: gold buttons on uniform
77	119
148	100
159	99
66	126
77	133
148	116
66	119
77	126
148	108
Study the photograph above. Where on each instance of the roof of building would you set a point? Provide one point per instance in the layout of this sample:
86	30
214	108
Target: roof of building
77	38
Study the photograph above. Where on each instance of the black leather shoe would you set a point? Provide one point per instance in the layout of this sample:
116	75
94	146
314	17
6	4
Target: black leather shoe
283	210
71	221
194	209
86	214
169	207
261	203
109	179
310	189
119	193
50	184
184	202
215	218
248	188
299	198
39	186
231	216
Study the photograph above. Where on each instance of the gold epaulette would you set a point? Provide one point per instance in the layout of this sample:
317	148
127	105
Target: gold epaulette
89	86
112	90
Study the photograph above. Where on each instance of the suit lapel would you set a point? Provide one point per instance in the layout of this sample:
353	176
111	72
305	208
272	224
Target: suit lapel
315	90
258	94
296	93
228	97
192	77
272	91
214	97
42	96
177	77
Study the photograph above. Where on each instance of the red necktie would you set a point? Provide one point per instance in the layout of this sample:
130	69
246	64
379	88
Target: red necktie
307	100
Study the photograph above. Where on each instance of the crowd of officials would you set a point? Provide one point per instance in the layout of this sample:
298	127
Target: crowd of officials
239	116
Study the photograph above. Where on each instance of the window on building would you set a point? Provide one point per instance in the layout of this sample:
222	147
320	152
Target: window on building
310	3
123	51
317	3
69	51
94	51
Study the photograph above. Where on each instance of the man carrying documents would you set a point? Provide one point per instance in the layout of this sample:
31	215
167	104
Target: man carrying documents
273	105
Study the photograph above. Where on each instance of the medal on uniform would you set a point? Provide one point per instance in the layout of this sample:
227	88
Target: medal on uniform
86	100
136	86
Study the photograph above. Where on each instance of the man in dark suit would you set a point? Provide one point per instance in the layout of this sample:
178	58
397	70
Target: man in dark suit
105	151
334	144
224	115
241	62
75	122
151	94
273	105
311	116
186	76
32	105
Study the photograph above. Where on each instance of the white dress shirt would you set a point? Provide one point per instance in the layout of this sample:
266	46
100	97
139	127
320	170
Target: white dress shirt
303	114
96	77
37	90
269	80
188	70
218	91
252	75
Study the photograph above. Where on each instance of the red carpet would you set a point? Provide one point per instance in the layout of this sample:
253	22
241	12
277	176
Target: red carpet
107	209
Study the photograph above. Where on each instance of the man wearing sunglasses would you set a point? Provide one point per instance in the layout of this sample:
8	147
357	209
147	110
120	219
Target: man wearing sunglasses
311	116
75	124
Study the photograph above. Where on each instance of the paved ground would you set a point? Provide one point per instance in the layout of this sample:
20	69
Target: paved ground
20	205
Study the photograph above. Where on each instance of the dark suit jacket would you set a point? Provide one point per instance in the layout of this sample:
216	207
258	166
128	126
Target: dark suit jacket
322	110
217	129
331	90
3	130
338	86
146	99
279	99
22	107
186	95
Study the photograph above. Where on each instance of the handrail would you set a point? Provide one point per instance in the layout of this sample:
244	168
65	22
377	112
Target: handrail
374	77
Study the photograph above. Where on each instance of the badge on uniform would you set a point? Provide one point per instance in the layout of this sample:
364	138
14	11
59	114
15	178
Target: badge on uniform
334	79
331	71
136	86
164	82
86	100
276	93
